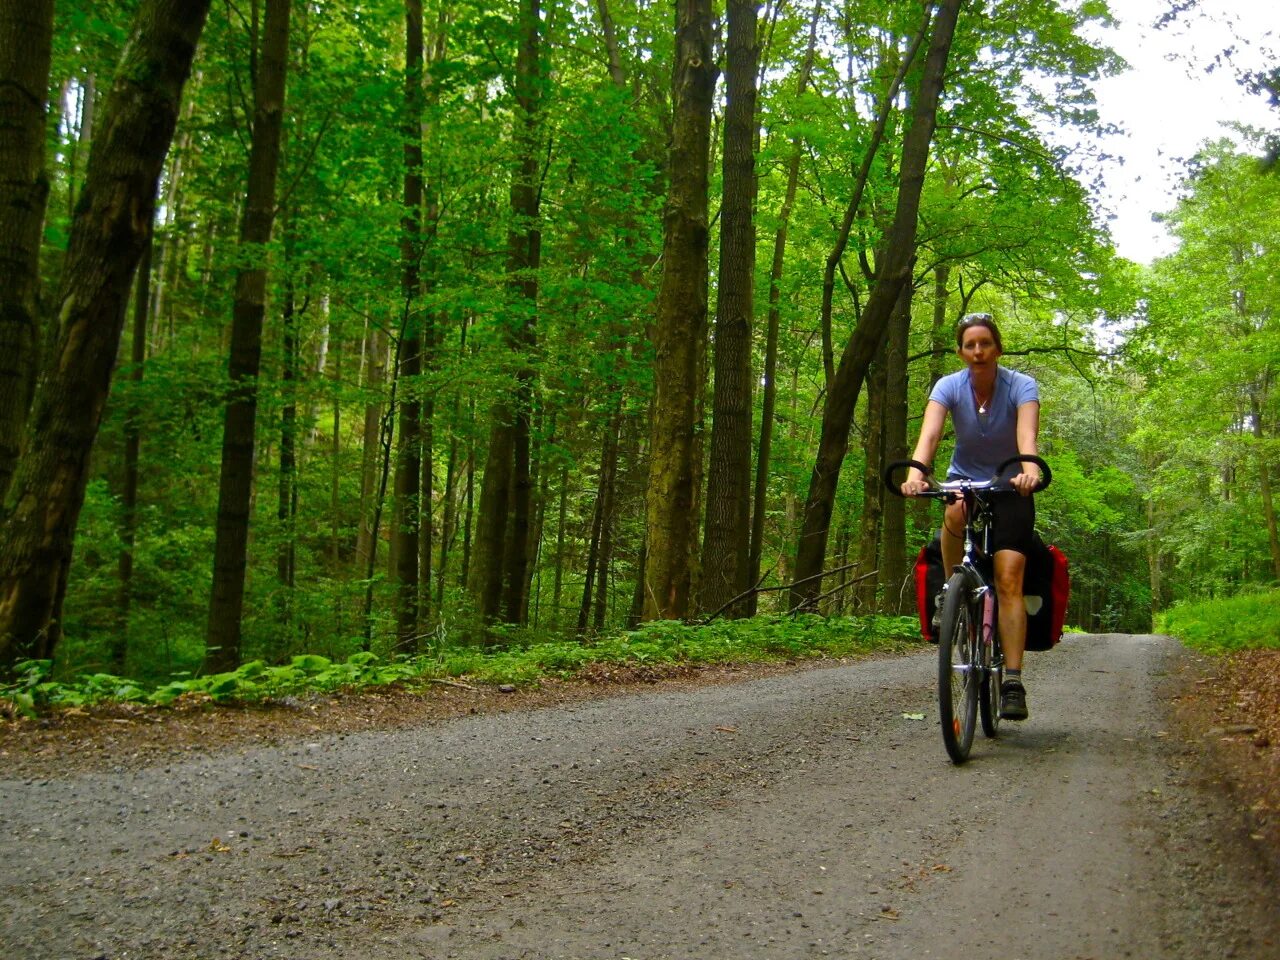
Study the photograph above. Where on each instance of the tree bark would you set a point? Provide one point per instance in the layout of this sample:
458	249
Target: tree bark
893	543
598	547
893	270
503	545
286	489
449	522
409	437
727	539
768	403
375	376
118	648
26	38
113	221
226	605
680	329
871	528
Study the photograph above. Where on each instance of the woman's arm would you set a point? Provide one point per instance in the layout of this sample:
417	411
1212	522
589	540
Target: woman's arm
935	415
1028	445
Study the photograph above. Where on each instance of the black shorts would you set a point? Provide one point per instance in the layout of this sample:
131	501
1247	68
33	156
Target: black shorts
1015	523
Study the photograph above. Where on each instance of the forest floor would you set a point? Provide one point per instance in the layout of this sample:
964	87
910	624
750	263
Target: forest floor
1219	721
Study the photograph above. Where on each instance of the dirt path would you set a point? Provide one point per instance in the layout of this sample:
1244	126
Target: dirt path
803	815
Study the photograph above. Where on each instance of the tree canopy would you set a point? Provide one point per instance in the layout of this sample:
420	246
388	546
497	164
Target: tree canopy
472	305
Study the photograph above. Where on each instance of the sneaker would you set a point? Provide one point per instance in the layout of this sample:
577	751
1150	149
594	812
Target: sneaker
1013	701
937	610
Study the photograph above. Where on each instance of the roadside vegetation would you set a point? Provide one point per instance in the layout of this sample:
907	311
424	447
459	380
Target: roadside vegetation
1249	621
523	659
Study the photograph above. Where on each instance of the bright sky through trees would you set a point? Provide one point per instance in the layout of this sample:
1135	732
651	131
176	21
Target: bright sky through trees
1182	87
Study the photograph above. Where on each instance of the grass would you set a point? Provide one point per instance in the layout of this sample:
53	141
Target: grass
1250	621
760	639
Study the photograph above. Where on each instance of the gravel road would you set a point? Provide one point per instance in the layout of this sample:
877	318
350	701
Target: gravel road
804	815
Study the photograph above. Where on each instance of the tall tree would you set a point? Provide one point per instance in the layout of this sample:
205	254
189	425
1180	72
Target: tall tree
26	43
409	442
110	229
727	541
768	403
503	544
893	269
118	648
671	502
235	487
1210	344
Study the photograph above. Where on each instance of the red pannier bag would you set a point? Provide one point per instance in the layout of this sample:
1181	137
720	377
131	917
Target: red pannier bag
1046	587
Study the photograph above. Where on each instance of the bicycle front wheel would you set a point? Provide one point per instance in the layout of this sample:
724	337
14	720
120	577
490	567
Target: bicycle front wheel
959	670
992	670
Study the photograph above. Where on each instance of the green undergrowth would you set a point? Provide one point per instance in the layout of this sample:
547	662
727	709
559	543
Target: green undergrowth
760	639
1250	621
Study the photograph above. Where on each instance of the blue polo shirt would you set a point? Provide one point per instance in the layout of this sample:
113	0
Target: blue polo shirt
984	441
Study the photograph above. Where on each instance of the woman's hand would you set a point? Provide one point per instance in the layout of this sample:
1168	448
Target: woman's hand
1026	482
914	486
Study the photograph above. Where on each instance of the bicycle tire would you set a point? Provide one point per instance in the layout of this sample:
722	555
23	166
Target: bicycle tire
959	671
992	677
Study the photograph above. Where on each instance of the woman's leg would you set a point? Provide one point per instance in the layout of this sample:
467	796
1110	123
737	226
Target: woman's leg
952	537
1010	565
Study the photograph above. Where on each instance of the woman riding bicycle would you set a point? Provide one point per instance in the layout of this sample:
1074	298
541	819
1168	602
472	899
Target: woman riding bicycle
996	414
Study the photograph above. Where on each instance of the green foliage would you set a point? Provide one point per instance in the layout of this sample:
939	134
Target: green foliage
1004	211
1207	351
655	644
1248	621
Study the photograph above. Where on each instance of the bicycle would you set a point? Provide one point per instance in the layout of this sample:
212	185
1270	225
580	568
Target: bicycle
970	660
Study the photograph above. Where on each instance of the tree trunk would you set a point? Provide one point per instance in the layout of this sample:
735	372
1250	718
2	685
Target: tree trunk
524	244
727	540
893	543
520	542
409	437
469	514
335	458
680	329
118	644
600	520
449	523
893	270
376	367
26	38
608	498
431	339
768	402
872	526
226	605
286	491
503	543
562	513
111	228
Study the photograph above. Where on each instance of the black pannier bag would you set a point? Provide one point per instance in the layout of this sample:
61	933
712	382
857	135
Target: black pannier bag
1046	588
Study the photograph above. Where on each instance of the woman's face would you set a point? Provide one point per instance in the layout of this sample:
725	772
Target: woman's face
978	347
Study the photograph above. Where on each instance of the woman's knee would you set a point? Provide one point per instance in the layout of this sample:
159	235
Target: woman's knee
1010	567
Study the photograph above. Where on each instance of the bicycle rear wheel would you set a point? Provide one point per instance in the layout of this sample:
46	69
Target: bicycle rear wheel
959	670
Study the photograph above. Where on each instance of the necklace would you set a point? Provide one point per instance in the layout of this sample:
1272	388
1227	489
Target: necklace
982	404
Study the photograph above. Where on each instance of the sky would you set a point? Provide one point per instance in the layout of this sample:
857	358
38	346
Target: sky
1168	104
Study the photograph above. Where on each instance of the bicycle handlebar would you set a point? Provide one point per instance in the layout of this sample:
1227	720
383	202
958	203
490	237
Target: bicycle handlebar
994	485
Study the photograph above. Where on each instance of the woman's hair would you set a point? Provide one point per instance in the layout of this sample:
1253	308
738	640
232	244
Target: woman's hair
978	320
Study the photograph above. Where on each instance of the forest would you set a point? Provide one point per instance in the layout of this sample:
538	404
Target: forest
403	325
